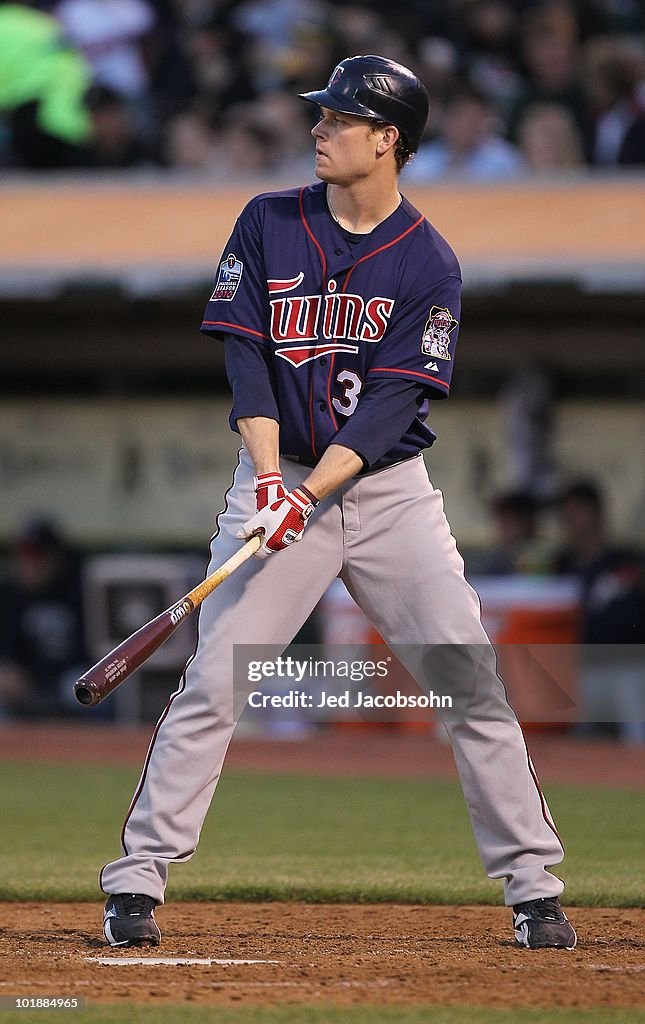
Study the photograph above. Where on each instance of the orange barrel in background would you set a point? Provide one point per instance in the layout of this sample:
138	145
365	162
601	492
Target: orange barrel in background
534	623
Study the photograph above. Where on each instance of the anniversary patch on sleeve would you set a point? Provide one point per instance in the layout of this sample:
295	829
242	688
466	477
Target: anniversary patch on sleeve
436	333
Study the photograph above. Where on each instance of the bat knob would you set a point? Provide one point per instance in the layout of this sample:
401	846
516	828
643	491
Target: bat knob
85	695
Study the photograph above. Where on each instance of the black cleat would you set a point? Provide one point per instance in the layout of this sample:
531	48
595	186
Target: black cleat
542	924
129	920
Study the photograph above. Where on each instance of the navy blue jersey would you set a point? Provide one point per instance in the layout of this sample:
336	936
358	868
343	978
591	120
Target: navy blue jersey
333	315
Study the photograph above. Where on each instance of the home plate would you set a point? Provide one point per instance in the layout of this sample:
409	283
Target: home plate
173	961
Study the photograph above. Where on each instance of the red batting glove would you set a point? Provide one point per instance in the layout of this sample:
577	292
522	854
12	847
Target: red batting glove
268	489
282	523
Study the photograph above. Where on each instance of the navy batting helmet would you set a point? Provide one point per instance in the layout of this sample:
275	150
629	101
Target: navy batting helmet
372	86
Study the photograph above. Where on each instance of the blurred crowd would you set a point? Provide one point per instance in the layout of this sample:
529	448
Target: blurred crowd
517	86
45	647
610	577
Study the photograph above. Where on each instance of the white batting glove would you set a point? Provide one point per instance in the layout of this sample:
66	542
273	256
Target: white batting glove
281	523
268	489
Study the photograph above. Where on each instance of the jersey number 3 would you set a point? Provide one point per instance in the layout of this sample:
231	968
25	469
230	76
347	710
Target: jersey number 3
351	384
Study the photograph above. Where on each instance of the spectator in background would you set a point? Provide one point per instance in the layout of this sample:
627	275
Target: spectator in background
116	143
516	547
362	29
615	83
218	55
612	593
190	143
549	139
492	37
42	643
251	147
43	82
438	67
254	141
110	34
276	30
550	51
169	65
468	146
114	35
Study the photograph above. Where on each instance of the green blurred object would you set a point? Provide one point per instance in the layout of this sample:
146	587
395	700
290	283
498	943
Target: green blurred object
38	65
284	837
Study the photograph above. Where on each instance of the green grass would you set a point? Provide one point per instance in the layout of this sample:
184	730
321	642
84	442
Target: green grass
132	1014
289	837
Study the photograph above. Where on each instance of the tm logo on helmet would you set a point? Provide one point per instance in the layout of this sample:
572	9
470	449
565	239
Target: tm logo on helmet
335	75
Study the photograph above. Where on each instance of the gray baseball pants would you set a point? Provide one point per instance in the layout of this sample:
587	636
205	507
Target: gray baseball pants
387	536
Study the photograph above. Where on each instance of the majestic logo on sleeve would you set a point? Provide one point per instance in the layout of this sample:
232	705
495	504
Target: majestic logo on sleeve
308	326
436	333
228	278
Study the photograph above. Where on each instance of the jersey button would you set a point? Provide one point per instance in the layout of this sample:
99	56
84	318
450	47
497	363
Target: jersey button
323	361
338	252
322	406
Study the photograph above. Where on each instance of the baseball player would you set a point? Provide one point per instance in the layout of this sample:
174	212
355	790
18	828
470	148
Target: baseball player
339	304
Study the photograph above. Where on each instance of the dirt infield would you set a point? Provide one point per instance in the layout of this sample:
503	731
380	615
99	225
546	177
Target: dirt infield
342	954
345	751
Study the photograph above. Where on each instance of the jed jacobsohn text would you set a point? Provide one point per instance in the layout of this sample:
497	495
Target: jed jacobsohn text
347	699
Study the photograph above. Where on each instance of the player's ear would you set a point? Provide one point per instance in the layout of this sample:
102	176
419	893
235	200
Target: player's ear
388	138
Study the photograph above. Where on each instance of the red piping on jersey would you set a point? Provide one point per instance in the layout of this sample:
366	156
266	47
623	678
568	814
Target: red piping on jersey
411	373
381	249
313	238
329	376
368	256
311	412
323	261
238	327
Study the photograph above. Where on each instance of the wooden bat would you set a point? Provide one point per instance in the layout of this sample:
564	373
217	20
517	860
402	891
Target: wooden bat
116	666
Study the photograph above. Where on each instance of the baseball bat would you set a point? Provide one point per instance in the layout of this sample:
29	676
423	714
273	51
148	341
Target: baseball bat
131	653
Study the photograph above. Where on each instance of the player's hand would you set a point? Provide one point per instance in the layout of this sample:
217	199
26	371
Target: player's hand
281	523
268	489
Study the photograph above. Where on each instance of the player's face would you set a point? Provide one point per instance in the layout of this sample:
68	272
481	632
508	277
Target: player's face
346	147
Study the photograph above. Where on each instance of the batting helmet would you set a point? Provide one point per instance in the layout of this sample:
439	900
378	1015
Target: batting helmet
371	86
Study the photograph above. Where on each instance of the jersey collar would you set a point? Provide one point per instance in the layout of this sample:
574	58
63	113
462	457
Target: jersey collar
334	249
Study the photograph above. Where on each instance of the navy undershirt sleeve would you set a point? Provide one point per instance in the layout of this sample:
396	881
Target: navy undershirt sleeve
251	379
385	411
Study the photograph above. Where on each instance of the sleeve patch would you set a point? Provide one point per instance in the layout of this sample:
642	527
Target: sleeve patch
436	333
228	279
